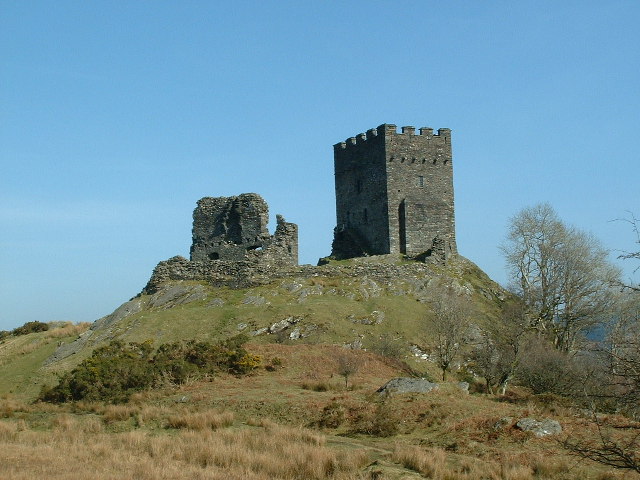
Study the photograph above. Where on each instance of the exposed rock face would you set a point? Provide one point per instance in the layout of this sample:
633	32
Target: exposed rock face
539	428
174	295
167	296
235	229
408	385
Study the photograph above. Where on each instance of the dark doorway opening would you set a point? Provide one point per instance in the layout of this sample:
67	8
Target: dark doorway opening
402	227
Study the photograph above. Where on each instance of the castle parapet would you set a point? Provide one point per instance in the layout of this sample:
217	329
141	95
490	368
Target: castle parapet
389	129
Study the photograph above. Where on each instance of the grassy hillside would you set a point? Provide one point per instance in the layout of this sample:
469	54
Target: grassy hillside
331	306
296	420
293	418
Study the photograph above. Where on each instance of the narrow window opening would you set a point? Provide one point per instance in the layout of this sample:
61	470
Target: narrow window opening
420	181
365	216
214	256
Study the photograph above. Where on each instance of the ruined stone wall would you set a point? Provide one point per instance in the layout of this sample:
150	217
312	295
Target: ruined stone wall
231	244
394	193
235	229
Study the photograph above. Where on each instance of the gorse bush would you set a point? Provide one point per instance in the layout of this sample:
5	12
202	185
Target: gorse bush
117	370
30	327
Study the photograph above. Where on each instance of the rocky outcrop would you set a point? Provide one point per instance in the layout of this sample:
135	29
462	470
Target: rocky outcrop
408	385
540	428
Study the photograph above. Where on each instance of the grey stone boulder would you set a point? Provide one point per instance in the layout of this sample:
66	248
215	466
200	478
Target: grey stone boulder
463	387
408	385
283	324
540	428
216	302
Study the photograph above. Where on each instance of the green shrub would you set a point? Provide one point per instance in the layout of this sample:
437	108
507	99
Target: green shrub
112	373
115	371
30	327
274	364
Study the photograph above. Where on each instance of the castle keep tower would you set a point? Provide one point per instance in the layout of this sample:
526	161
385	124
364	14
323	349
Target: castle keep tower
394	193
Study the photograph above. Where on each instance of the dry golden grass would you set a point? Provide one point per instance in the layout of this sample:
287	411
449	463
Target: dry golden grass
209	420
68	330
272	452
434	463
10	407
118	413
445	434
428	462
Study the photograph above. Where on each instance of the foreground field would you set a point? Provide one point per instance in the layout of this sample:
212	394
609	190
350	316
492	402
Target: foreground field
296	420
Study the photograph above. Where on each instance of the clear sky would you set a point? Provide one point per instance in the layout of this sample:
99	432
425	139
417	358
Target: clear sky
117	116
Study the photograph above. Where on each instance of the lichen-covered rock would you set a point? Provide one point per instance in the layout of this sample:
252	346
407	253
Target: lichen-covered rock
216	302
283	324
540	428
408	385
463	386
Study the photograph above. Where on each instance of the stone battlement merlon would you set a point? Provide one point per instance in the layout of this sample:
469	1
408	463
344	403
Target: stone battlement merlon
388	129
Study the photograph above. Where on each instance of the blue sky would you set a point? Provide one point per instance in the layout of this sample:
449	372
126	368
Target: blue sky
117	116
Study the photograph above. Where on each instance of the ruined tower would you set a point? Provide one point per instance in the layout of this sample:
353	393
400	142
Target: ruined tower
235	229
394	193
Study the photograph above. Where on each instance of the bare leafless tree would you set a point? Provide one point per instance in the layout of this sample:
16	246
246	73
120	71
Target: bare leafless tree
609	448
561	273
635	227
448	327
617	447
496	357
348	364
622	351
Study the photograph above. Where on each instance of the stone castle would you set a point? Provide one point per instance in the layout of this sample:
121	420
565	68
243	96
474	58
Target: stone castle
394	195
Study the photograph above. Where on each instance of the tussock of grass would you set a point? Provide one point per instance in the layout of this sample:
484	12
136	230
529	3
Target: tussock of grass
431	462
119	413
209	420
67	329
259	453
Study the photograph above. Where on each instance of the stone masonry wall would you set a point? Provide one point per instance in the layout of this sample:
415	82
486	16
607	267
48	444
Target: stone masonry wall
361	197
419	189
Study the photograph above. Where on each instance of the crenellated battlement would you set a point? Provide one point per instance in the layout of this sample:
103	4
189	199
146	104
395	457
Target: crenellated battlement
389	129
